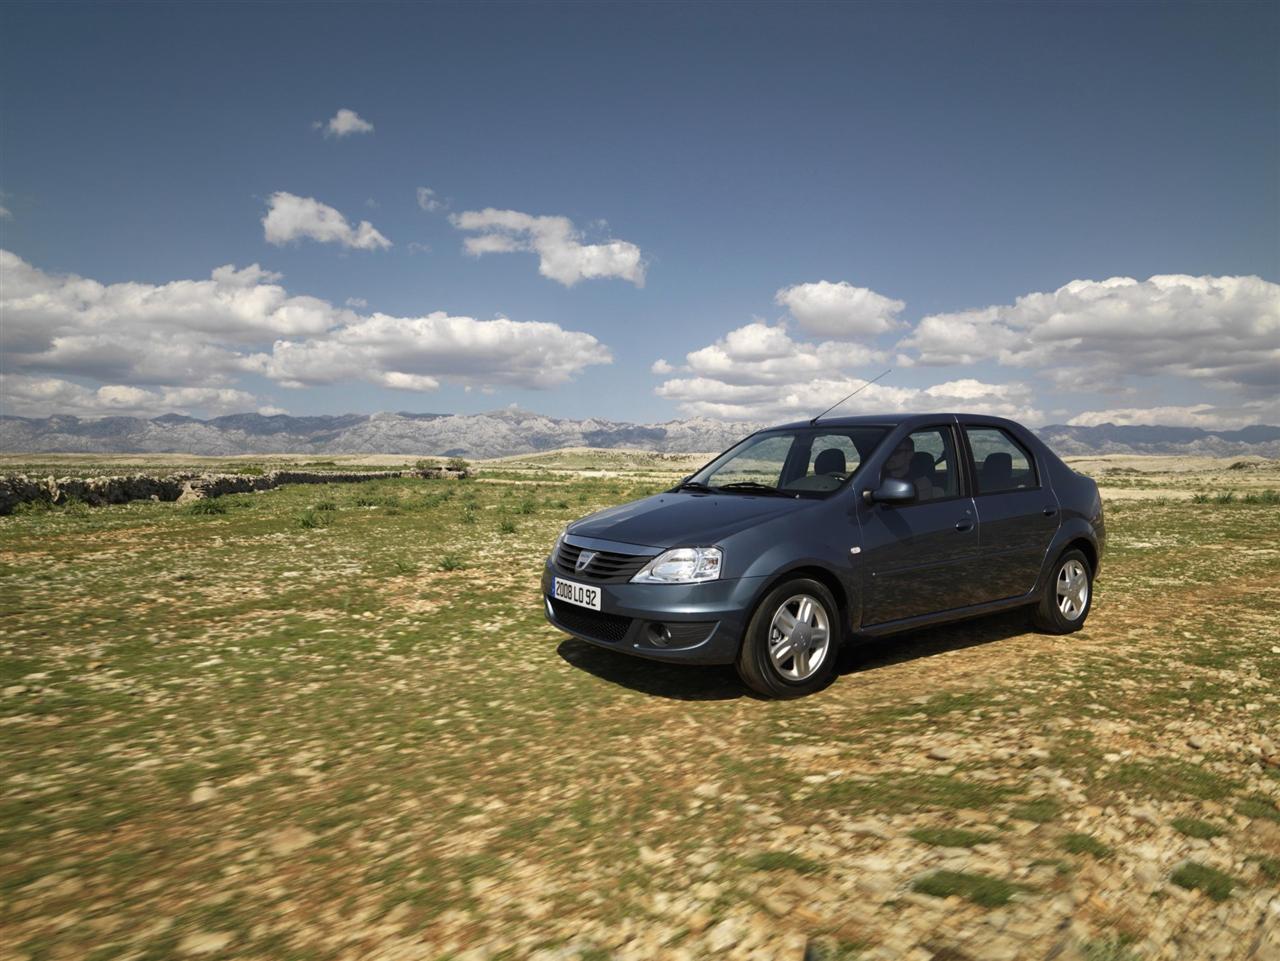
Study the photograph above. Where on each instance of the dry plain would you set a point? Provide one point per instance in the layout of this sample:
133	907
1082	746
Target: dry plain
330	722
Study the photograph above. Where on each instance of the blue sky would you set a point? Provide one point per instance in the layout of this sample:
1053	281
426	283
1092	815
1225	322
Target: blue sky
945	169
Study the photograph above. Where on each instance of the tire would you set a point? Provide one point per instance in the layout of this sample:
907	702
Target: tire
767	665
1062	608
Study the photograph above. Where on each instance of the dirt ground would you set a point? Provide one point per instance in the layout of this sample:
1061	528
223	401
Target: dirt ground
331	723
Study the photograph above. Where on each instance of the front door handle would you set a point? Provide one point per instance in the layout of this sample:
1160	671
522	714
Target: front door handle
1049	510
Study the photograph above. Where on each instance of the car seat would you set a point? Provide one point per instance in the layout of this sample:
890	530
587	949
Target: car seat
830	461
997	472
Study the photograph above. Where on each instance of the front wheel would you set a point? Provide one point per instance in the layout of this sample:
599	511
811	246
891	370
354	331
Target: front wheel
1068	595
789	649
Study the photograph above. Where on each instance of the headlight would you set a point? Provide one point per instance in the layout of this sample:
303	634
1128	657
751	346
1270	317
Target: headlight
681	565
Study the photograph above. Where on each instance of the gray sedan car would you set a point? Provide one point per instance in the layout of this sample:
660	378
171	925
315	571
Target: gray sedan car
803	536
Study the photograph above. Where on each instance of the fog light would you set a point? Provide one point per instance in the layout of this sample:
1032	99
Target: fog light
659	636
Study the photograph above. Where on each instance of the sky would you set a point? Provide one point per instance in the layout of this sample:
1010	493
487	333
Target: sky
641	212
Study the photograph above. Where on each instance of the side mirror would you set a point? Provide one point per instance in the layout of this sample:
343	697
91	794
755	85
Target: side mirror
892	491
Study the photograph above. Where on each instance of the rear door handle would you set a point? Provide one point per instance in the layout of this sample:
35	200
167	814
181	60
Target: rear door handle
1050	510
964	524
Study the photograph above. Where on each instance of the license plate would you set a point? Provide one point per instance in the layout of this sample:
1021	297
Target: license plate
574	593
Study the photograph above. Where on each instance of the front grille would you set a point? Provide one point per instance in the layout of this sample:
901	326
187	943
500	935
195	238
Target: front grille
601	626
607	566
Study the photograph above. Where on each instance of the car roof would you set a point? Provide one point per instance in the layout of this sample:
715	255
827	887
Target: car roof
893	420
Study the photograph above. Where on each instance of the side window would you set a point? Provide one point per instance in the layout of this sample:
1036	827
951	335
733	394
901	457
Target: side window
927	458
1000	463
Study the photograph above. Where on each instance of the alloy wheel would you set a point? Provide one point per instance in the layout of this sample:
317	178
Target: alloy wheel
799	637
1072	589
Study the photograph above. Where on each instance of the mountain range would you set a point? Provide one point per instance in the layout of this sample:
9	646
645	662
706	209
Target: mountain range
510	431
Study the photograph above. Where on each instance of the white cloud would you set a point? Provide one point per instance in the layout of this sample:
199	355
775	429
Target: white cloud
5	213
1208	416
356	302
344	123
840	310
416	353
428	201
760	354
290	218
206	334
561	254
660	366
1092	335
760	373
26	396
187	331
708	397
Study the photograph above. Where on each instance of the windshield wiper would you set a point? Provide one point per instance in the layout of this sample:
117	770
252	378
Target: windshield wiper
695	486
751	487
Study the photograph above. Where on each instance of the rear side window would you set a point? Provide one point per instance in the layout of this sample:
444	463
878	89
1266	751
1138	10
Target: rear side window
1000	463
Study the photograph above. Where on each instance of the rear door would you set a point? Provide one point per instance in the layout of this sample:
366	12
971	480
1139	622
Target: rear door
1017	511
920	557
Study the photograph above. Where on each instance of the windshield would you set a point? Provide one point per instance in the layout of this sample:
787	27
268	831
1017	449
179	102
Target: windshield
810	462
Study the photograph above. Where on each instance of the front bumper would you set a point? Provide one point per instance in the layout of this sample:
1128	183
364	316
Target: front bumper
689	623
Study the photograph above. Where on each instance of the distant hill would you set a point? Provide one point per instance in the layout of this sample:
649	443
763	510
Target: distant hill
503	432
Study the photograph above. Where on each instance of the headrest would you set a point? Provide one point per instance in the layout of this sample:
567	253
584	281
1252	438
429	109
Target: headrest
830	461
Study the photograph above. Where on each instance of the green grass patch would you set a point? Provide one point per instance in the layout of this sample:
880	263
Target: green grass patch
1195	828
1168	780
783	861
1084	844
1258	806
950	837
981	889
1041	810
1268	867
1200	877
911	792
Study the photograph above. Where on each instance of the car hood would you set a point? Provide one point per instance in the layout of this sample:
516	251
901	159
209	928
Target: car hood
685	519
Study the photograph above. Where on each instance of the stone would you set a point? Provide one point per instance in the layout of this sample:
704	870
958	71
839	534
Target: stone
940	752
13	690
289	840
205	942
1195	742
725	935
204	794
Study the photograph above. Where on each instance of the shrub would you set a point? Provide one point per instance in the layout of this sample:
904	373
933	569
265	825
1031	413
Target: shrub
527	507
451	562
309	520
507	525
426	464
39	506
326	506
456	463
207	505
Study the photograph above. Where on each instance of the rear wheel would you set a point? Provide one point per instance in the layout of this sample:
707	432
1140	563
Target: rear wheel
1068	595
791	641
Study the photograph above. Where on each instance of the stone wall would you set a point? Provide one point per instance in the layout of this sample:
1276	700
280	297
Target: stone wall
18	489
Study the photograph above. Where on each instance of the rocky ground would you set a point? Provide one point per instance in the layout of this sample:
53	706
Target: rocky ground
331	723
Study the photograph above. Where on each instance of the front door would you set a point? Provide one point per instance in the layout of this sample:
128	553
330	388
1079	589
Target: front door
920	557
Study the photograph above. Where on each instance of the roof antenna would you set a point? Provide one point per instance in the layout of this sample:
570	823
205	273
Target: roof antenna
814	422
